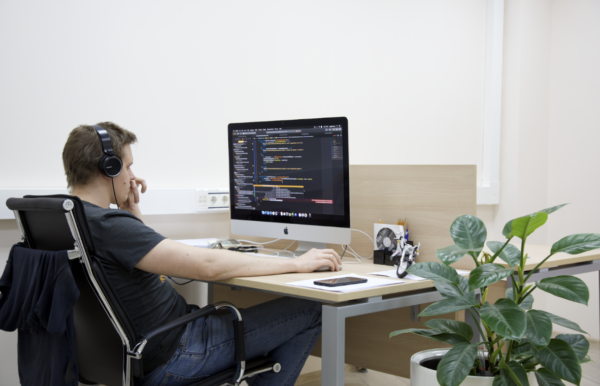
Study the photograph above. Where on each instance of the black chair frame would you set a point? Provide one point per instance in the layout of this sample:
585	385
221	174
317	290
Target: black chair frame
45	223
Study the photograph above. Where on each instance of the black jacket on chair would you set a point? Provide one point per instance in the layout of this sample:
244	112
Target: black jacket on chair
38	295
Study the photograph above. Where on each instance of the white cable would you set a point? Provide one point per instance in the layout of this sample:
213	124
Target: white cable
254	242
290	252
358	230
350	253
270	250
355	256
286	248
359	256
354	252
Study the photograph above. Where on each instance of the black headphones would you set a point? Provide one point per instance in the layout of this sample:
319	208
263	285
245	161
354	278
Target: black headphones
111	163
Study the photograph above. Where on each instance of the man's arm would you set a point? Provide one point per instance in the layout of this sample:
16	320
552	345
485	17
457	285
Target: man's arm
172	258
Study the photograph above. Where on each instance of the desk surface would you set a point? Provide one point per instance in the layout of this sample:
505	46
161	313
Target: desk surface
277	283
537	253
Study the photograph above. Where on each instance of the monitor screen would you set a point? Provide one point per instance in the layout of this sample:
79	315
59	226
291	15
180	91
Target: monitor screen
290	172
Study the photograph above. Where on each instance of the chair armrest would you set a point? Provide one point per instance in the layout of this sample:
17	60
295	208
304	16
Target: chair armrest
238	330
185	319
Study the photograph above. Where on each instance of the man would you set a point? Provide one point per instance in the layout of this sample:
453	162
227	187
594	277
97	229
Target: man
134	257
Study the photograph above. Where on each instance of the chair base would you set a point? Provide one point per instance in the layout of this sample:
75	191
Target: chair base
253	367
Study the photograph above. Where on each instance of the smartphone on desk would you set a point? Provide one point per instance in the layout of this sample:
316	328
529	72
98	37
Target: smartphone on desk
340	281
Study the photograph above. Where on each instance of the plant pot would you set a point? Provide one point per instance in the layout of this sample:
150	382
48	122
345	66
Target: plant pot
422	376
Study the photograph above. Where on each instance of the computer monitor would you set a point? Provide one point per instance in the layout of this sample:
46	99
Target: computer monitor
290	180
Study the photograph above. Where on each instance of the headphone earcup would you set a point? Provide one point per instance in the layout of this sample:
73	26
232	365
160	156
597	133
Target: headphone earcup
111	165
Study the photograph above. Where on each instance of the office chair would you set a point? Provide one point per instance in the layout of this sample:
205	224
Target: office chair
109	349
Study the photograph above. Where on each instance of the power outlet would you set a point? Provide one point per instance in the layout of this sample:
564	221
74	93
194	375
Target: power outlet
201	200
212	199
218	198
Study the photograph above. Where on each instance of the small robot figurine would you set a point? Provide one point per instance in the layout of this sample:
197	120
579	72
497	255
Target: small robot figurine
404	257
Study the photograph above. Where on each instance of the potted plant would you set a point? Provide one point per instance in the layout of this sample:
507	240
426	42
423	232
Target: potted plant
516	339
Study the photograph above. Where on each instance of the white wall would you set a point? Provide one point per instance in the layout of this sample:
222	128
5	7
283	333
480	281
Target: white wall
550	130
573	138
176	73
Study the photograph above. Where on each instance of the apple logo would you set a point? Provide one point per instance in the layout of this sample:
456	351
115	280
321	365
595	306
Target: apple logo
285	230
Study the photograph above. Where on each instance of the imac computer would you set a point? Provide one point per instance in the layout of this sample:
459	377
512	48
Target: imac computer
290	180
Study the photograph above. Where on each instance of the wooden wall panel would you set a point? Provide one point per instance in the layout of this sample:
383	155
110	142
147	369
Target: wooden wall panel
430	196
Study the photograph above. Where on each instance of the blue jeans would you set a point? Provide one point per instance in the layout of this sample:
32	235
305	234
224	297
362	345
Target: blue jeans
285	329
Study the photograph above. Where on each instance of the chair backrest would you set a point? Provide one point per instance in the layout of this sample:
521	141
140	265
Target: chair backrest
103	331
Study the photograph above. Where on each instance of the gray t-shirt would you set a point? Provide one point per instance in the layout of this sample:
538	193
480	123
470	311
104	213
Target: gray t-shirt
121	241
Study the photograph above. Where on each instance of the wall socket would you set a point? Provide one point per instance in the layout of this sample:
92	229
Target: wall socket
212	199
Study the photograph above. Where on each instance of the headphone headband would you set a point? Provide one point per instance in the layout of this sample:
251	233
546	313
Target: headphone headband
104	140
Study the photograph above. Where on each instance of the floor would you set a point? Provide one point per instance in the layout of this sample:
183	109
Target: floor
591	374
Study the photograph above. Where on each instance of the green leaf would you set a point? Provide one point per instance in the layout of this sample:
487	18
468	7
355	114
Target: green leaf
587	359
576	244
563	322
539	329
504	379
567	287
559	358
451	327
438	335
456	364
520	372
526	225
546	378
444	337
506	232
487	274
446	306
523	348
505	317
525	304
434	271
469	232
552	209
578	343
510	254
448	290
454	253
405	331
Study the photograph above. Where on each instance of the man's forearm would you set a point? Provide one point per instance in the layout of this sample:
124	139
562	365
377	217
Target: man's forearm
176	259
227	264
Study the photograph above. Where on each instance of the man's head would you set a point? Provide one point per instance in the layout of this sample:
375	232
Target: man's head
83	151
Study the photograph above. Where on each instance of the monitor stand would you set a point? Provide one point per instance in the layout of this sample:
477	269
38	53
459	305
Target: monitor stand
305	246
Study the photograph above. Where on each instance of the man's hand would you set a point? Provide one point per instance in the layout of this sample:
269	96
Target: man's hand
133	196
316	258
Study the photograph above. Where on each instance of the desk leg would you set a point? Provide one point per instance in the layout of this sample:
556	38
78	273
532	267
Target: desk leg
333	345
